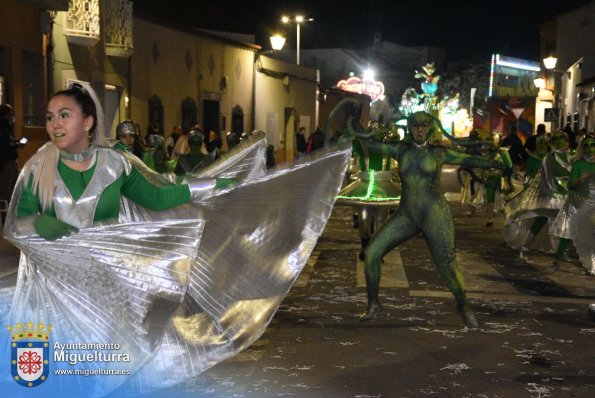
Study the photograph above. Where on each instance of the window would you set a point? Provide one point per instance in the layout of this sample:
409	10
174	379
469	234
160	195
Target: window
237	120
33	89
156	112
189	112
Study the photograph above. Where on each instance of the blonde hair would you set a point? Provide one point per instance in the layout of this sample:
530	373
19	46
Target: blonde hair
44	164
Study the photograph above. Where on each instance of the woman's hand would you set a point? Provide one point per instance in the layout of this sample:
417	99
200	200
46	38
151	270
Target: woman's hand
225	183
50	228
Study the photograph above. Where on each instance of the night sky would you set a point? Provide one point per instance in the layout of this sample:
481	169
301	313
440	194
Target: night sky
465	28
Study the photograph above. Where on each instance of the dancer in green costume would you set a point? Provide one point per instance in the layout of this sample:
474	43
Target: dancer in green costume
128	133
536	157
73	181
581	176
196	158
422	208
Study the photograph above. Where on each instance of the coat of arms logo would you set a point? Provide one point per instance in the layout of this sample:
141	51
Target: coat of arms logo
30	353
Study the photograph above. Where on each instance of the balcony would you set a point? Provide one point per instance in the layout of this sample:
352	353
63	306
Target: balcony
50	5
118	28
82	22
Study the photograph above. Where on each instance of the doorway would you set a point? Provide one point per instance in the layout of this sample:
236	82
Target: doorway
111	108
210	115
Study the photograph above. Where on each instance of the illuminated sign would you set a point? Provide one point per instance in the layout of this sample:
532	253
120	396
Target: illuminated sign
370	87
512	77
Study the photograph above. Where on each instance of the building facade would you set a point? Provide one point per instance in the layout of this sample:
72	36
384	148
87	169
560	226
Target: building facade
25	60
569	38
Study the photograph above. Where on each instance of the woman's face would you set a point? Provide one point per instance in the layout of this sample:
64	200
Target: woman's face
541	146
195	143
127	139
67	126
420	131
589	147
559	141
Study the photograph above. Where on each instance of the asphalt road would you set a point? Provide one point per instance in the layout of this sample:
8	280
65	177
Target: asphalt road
535	339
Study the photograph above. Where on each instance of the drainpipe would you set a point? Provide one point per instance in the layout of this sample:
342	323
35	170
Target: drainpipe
129	90
47	20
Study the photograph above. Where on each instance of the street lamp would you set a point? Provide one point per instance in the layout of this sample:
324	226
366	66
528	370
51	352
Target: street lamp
550	62
277	42
298	20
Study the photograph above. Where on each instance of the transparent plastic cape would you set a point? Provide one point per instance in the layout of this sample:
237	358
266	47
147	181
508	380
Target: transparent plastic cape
537	199
174	309
582	227
479	199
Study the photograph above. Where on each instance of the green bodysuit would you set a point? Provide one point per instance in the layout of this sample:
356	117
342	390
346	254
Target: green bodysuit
423	208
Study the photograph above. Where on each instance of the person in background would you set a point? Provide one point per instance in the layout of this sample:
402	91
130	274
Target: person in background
233	138
214	143
300	142
571	135
316	140
128	133
531	141
155	156
180	148
170	142
196	157
516	151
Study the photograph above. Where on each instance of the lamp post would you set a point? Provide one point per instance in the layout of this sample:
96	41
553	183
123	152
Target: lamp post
550	65
298	20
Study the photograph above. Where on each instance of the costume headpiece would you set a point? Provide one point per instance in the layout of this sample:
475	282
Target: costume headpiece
126	127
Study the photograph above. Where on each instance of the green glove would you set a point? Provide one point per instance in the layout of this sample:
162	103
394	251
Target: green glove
50	228
225	183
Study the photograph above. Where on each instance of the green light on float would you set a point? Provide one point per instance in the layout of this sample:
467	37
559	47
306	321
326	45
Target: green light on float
369	197
370	185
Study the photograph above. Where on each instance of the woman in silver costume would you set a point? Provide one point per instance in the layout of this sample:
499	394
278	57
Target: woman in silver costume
570	223
540	201
179	278
485	189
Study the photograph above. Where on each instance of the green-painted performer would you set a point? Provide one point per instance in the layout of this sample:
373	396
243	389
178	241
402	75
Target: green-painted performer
582	175
196	159
423	208
536	157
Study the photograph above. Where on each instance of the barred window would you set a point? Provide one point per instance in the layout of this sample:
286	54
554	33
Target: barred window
189	113
33	89
156	112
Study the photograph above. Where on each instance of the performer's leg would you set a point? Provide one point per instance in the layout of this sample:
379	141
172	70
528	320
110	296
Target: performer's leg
534	230
490	199
562	247
442	246
561	253
396	230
